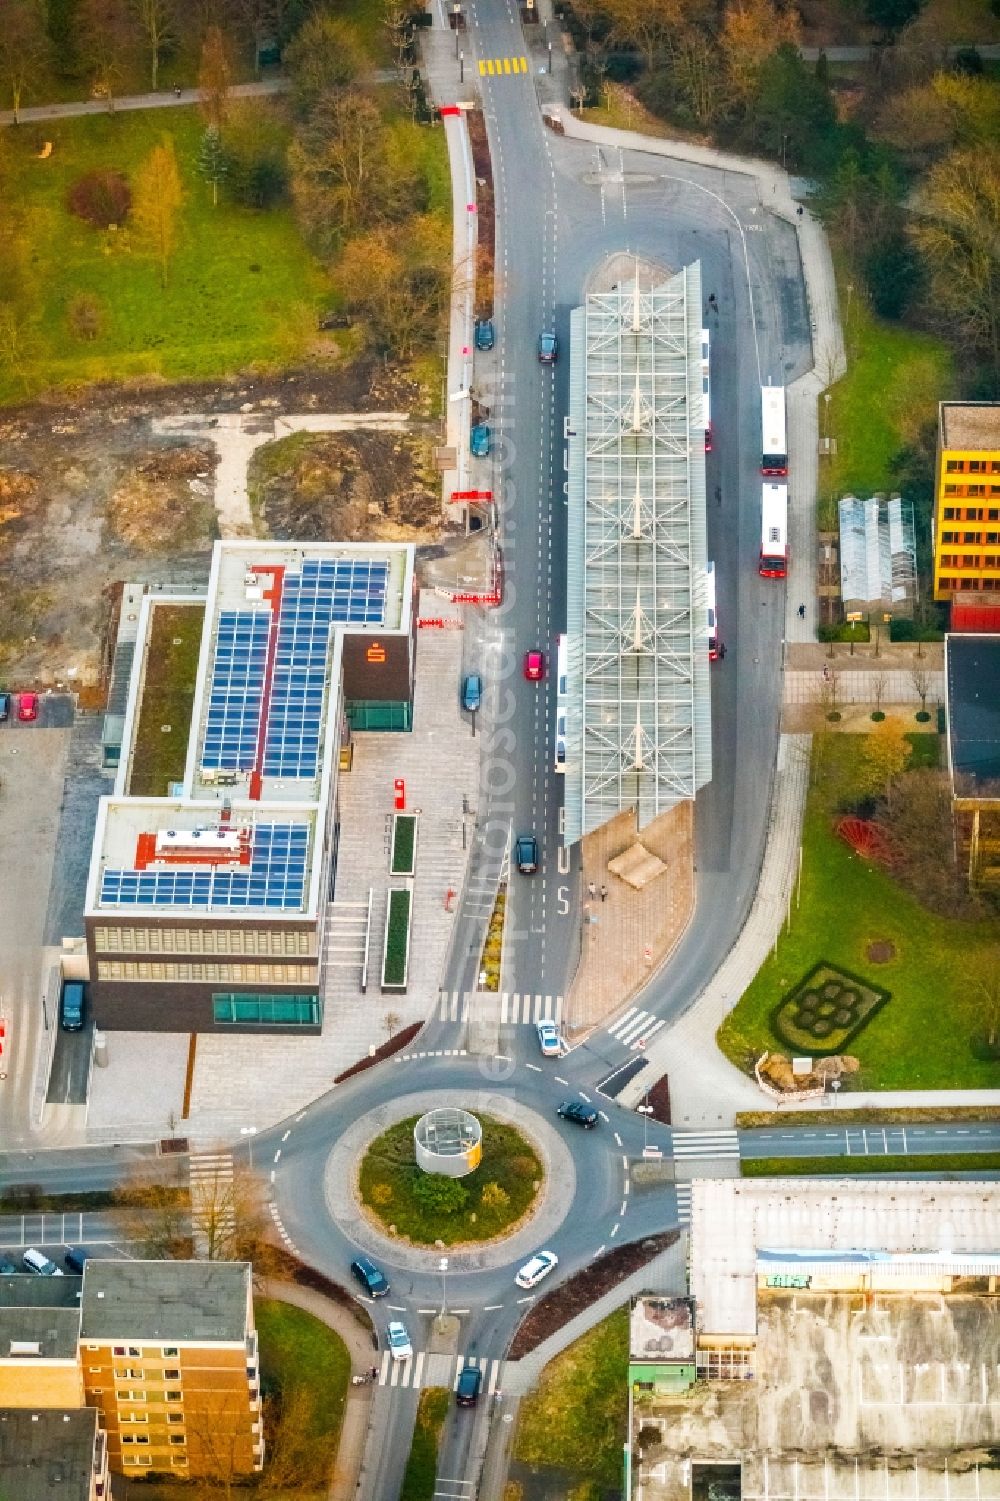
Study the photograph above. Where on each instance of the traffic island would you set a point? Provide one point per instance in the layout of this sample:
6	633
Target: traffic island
489	1203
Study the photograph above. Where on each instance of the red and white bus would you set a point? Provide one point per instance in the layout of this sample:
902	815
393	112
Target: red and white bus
774	531
774	449
705	392
711	615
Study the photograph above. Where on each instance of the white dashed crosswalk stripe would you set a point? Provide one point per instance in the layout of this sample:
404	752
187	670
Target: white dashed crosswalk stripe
705	1144
683	1191
634	1028
410	1373
213	1200
515	1009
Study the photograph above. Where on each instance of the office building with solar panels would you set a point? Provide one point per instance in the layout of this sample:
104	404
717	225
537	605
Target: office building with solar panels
205	906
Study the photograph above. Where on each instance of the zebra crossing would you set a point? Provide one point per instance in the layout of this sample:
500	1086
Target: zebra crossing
437	1370
213	1200
496	67
683	1192
634	1028
460	1006
689	1145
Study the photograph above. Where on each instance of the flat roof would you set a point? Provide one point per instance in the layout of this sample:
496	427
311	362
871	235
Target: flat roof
972	425
47	1455
972	685
26	1290
661	1329
737	1224
192	1301
239	837
39	1333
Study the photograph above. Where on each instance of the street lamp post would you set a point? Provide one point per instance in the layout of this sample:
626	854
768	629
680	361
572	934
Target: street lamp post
443	1269
461	67
645	1111
249	1132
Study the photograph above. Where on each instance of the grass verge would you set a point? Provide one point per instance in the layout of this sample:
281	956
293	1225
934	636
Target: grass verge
499	1192
243	290
420	1475
920	1039
305	1370
577	1416
909	1163
168	696
894	380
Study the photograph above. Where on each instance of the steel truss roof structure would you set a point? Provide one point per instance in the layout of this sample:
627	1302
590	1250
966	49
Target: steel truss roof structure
638	725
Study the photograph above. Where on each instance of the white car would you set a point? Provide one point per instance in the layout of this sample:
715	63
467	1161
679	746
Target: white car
538	1267
548	1039
398	1340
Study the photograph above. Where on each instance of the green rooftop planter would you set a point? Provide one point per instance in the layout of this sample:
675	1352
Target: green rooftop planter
396	950
403	861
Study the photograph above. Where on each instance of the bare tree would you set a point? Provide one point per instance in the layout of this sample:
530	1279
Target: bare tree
215	76
158	23
879	684
986	983
229	1219
391	1022
24	49
154	1213
108	39
921	680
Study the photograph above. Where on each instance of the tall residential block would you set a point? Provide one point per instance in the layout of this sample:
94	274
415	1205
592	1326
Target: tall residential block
967	500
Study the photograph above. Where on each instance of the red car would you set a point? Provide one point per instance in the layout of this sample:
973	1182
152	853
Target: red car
534	666
27	706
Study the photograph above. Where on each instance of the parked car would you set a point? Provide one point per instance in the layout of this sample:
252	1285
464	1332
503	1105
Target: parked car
479	440
576	1111
35	1261
71	1006
548	1039
6	1267
472	692
369	1275
398	1340
485	334
76	1259
27	706
548	349
538	1267
526	854
470	1379
4	706
534	666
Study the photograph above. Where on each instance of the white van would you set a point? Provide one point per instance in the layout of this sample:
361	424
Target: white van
34	1261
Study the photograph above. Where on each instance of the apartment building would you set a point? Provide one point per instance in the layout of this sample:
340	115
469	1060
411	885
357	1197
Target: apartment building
206	906
168	1352
967	500
39	1338
50	1455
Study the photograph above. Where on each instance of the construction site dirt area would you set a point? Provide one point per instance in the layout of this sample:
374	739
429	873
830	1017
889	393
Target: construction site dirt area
357	486
889	1396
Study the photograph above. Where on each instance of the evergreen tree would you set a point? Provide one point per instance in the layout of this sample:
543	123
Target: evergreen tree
212	163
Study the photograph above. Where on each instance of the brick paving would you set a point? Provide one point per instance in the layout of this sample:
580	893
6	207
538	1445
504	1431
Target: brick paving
627	936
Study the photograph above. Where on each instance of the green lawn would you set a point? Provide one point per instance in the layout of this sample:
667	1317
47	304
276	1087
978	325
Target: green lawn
908	1163
920	1038
243	290
420	1475
894	380
577	1416
306	1367
389	1173
168	695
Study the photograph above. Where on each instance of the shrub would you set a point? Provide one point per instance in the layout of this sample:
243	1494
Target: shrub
86	314
382	1194
494	1197
878	715
102	198
440	1195
523	1167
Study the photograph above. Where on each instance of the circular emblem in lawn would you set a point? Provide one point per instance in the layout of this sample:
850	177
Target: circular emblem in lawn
430	1208
881	951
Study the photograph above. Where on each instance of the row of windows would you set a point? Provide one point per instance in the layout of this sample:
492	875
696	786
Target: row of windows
969	560
200	941
147	1352
980	490
143	1438
988	539
275	974
130	1394
137	1373
266	1010
950	584
178	1461
972	466
971	513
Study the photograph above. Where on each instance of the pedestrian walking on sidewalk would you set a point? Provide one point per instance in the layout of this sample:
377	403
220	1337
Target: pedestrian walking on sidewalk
802	612
722	651
604	893
591	890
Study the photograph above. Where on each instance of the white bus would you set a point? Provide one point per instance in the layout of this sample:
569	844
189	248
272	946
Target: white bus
773	531
711	614
774	449
562	698
705	391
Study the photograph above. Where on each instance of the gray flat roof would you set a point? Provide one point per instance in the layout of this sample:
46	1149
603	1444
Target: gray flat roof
25	1290
47	1455
973	425
972	679
54	1332
191	1301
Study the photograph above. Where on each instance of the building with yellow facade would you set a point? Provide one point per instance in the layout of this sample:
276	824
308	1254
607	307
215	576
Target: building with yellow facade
967	500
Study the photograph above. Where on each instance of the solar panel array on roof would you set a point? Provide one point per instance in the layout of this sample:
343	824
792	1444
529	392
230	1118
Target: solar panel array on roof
236	694
327	592
275	877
